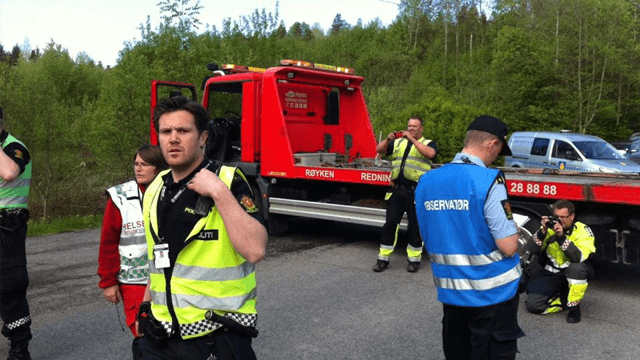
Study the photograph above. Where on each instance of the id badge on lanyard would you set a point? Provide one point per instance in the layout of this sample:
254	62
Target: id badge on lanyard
161	255
161	250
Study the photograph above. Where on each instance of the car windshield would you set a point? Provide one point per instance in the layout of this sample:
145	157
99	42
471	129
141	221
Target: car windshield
598	150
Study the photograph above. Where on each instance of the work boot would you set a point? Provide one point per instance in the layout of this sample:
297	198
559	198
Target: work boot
574	315
19	351
413	266
381	265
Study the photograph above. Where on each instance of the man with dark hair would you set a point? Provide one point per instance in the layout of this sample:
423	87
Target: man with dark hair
204	237
175	103
468	230
563	282
412	155
15	179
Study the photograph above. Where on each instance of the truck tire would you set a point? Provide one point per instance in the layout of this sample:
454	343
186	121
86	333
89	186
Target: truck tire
274	223
257	198
528	223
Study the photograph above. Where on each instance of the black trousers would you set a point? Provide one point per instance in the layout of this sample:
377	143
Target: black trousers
14	281
548	285
401	201
487	333
222	344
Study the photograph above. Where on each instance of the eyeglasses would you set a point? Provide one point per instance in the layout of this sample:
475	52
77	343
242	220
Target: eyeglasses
141	164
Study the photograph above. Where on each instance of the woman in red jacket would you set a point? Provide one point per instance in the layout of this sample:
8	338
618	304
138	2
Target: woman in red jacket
122	260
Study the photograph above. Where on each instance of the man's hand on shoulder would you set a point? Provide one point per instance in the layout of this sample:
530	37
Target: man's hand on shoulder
206	183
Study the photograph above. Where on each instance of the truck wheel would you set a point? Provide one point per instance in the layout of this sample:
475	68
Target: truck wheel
273	222
257	199
527	223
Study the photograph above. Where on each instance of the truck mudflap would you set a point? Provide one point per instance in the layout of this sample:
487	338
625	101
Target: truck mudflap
327	211
631	243
613	245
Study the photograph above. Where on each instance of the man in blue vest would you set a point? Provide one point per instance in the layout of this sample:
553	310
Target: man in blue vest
468	230
15	178
411	157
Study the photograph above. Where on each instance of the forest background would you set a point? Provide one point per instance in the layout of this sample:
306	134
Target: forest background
536	64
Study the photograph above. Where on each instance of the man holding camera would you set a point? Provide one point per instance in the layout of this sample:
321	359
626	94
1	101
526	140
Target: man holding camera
563	281
412	155
15	178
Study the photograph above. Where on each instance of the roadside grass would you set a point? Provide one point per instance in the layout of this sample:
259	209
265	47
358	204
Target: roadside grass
65	224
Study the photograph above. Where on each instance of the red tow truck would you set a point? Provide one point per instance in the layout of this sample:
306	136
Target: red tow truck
302	135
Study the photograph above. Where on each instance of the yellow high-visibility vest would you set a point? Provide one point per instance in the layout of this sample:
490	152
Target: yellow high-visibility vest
15	194
209	274
415	165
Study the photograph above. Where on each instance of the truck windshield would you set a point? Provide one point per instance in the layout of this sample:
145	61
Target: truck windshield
598	150
225	99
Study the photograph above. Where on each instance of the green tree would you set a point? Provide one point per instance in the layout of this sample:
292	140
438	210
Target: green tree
47	103
180	13
339	24
15	55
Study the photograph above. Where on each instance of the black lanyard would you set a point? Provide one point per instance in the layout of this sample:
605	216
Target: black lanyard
165	207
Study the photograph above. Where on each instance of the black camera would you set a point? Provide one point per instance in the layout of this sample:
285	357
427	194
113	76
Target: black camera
552	221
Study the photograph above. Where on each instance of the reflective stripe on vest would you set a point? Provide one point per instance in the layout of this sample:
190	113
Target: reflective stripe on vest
480	284
473	260
133	244
467	260
208	274
15	194
415	165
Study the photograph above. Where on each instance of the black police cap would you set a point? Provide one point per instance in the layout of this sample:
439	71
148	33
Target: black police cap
492	126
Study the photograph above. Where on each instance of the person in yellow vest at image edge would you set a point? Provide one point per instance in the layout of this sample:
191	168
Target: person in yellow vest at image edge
564	247
204	237
411	157
15	179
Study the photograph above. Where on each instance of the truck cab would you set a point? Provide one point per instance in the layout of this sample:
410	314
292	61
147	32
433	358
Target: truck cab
301	133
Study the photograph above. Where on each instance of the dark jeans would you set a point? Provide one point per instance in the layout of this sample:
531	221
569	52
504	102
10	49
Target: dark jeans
14	280
488	332
401	201
222	343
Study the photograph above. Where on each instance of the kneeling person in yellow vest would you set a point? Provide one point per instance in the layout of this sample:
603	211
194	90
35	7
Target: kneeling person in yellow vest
565	246
204	236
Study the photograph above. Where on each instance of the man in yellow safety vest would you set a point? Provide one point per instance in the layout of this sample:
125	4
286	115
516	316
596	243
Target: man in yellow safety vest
204	236
15	179
411	157
565	246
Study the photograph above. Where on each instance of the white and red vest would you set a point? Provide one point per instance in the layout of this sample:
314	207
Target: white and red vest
134	267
